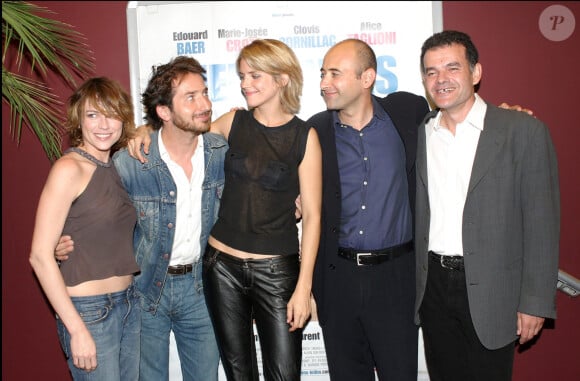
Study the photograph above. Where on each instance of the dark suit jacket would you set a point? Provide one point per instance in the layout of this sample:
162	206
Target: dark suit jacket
406	111
511	225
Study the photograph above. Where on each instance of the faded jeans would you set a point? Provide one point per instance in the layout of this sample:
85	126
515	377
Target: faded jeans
114	321
181	309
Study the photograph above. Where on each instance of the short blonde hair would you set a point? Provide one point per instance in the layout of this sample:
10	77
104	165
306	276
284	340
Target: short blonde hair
276	58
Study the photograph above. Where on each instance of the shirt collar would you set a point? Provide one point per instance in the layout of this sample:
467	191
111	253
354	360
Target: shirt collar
378	112
475	117
163	151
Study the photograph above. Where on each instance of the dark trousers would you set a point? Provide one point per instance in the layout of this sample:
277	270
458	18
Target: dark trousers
369	321
452	349
241	290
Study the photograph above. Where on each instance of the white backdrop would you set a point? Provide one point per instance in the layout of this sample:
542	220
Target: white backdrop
214	32
314	366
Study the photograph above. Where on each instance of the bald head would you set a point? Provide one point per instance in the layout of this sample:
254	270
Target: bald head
358	52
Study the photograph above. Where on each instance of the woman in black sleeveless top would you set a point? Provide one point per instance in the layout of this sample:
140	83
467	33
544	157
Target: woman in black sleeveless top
257	267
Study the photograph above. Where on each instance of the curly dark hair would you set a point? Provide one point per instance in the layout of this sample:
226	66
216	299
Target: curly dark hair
163	80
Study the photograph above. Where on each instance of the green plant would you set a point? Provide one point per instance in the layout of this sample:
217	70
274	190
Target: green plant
29	34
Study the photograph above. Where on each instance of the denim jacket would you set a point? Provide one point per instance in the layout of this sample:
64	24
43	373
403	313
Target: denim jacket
154	194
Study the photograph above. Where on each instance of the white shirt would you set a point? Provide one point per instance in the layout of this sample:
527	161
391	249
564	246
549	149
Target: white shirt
186	247
449	164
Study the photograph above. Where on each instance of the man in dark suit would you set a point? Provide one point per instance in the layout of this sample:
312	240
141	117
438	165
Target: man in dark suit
364	276
487	221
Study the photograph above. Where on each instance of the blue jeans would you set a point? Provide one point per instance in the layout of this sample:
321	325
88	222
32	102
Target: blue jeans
114	321
182	309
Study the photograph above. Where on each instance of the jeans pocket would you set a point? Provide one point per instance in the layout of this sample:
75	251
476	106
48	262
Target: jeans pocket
95	315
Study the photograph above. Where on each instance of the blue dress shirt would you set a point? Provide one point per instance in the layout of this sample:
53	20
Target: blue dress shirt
375	202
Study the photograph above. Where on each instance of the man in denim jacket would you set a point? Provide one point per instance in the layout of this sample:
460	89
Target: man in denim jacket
154	194
176	193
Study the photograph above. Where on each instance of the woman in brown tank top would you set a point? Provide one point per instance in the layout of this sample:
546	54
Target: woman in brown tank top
92	294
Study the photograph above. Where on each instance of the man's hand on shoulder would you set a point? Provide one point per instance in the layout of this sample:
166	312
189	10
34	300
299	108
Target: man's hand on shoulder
516	108
141	139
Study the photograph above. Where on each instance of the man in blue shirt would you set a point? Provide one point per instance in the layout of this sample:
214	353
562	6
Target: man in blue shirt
364	281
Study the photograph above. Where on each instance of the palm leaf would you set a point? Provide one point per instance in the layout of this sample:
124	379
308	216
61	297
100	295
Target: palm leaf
31	101
48	45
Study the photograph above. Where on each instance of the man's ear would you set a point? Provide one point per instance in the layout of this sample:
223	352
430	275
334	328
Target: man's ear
368	77
477	73
163	112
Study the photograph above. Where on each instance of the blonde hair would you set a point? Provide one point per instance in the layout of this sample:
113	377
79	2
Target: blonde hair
276	58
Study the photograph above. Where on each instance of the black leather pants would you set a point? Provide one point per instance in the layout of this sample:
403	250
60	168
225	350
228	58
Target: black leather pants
239	291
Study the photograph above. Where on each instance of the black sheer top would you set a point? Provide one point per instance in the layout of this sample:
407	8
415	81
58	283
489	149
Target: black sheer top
257	211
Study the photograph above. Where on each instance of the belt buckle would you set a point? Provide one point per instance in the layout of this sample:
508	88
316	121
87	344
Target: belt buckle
358	256
442	260
178	269
452	265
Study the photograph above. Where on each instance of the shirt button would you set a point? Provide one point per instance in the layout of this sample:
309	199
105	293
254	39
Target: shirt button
360	232
363	207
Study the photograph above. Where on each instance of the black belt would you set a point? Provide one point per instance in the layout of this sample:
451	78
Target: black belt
451	262
179	269
374	257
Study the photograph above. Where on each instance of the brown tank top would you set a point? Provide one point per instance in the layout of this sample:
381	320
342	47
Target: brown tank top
101	223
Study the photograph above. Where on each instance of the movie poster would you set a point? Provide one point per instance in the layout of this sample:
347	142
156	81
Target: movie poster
214	32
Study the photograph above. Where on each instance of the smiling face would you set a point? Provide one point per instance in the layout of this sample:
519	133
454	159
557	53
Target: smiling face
191	106
342	80
448	78
99	131
258	87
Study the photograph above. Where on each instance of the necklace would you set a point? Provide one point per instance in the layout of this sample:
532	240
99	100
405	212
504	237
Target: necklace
87	155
